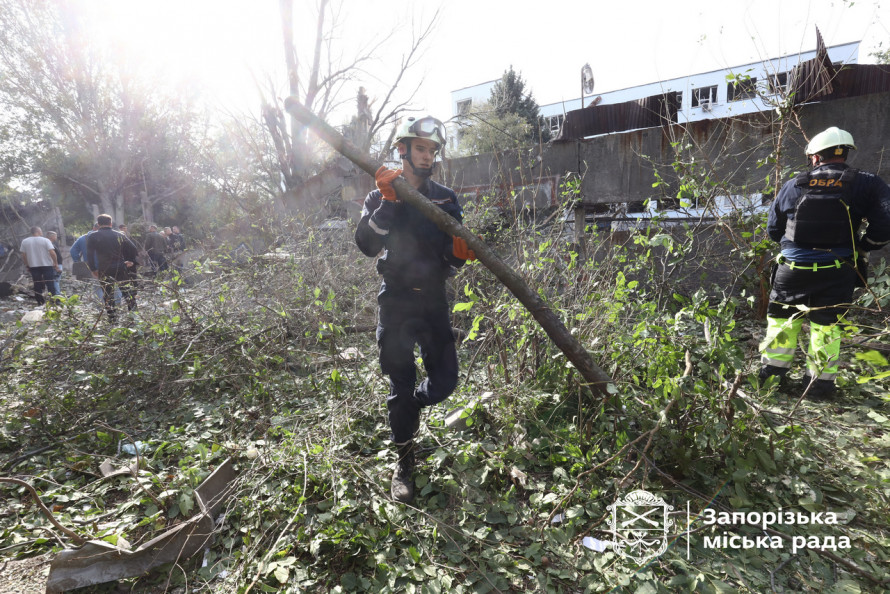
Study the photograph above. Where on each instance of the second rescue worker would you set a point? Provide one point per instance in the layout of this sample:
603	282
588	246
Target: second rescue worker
816	218
413	309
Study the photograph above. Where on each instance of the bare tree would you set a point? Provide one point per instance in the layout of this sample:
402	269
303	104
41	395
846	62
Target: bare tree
318	82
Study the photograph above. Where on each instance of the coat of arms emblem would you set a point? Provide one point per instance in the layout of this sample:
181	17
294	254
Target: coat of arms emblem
639	526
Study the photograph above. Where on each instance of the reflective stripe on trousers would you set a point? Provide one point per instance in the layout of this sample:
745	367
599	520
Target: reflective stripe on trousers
780	341
825	350
777	348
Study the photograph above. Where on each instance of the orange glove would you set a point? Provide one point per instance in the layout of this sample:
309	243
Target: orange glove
384	178
462	250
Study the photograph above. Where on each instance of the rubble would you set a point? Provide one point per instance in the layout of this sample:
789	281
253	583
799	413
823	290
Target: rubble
97	562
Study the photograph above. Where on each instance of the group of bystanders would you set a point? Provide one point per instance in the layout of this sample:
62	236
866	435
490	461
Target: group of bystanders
110	255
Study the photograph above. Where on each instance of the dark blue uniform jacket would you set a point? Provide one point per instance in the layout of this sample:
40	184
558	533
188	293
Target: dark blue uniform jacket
416	253
870	200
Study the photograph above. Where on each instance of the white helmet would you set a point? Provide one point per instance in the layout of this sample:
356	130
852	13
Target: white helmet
832	137
426	127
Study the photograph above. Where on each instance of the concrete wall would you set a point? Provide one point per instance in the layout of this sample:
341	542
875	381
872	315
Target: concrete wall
621	167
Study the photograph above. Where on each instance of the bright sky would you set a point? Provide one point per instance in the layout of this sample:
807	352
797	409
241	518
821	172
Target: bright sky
223	45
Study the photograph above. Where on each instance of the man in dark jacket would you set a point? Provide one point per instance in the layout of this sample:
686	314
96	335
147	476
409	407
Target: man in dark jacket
111	257
413	308
156	247
176	239
816	219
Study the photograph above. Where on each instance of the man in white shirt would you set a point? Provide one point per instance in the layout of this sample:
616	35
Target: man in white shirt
39	257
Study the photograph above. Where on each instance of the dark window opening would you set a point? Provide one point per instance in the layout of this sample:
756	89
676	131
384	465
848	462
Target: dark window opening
741	89
778	83
668	203
636	206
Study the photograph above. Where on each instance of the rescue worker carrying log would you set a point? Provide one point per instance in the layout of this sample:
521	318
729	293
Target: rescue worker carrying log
816	218
417	259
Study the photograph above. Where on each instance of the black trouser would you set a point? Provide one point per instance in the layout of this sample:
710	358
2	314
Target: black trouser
408	317
159	262
827	291
44	278
111	278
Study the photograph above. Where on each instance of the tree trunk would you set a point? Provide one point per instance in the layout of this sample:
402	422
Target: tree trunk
105	200
294	150
597	379
580	237
118	214
148	214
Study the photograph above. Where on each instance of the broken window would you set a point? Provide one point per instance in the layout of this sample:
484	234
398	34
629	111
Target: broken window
778	83
743	88
704	96
598	208
668	203
554	123
636	206
463	106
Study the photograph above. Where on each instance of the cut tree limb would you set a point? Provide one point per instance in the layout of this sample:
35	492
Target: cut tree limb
46	512
597	379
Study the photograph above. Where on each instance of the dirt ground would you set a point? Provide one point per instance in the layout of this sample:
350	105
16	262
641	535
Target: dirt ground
24	576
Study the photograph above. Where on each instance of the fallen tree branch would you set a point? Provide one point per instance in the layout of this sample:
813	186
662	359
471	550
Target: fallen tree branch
596	379
78	539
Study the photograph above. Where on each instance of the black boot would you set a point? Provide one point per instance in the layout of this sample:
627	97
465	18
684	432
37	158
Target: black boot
821	390
768	371
403	478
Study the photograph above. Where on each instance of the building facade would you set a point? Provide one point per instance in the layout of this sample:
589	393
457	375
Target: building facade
737	90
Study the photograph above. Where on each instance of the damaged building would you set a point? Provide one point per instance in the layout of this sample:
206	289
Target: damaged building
726	127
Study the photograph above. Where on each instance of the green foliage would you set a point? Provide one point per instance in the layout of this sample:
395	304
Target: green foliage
507	121
490	132
881	56
267	362
508	96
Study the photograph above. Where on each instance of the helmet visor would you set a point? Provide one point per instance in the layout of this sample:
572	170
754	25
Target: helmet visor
428	128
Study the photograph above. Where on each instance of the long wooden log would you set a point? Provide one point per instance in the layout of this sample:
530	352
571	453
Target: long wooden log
597	379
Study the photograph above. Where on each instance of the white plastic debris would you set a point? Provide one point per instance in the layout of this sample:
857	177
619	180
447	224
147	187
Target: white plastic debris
519	477
132	449
351	354
33	316
595	545
558	519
